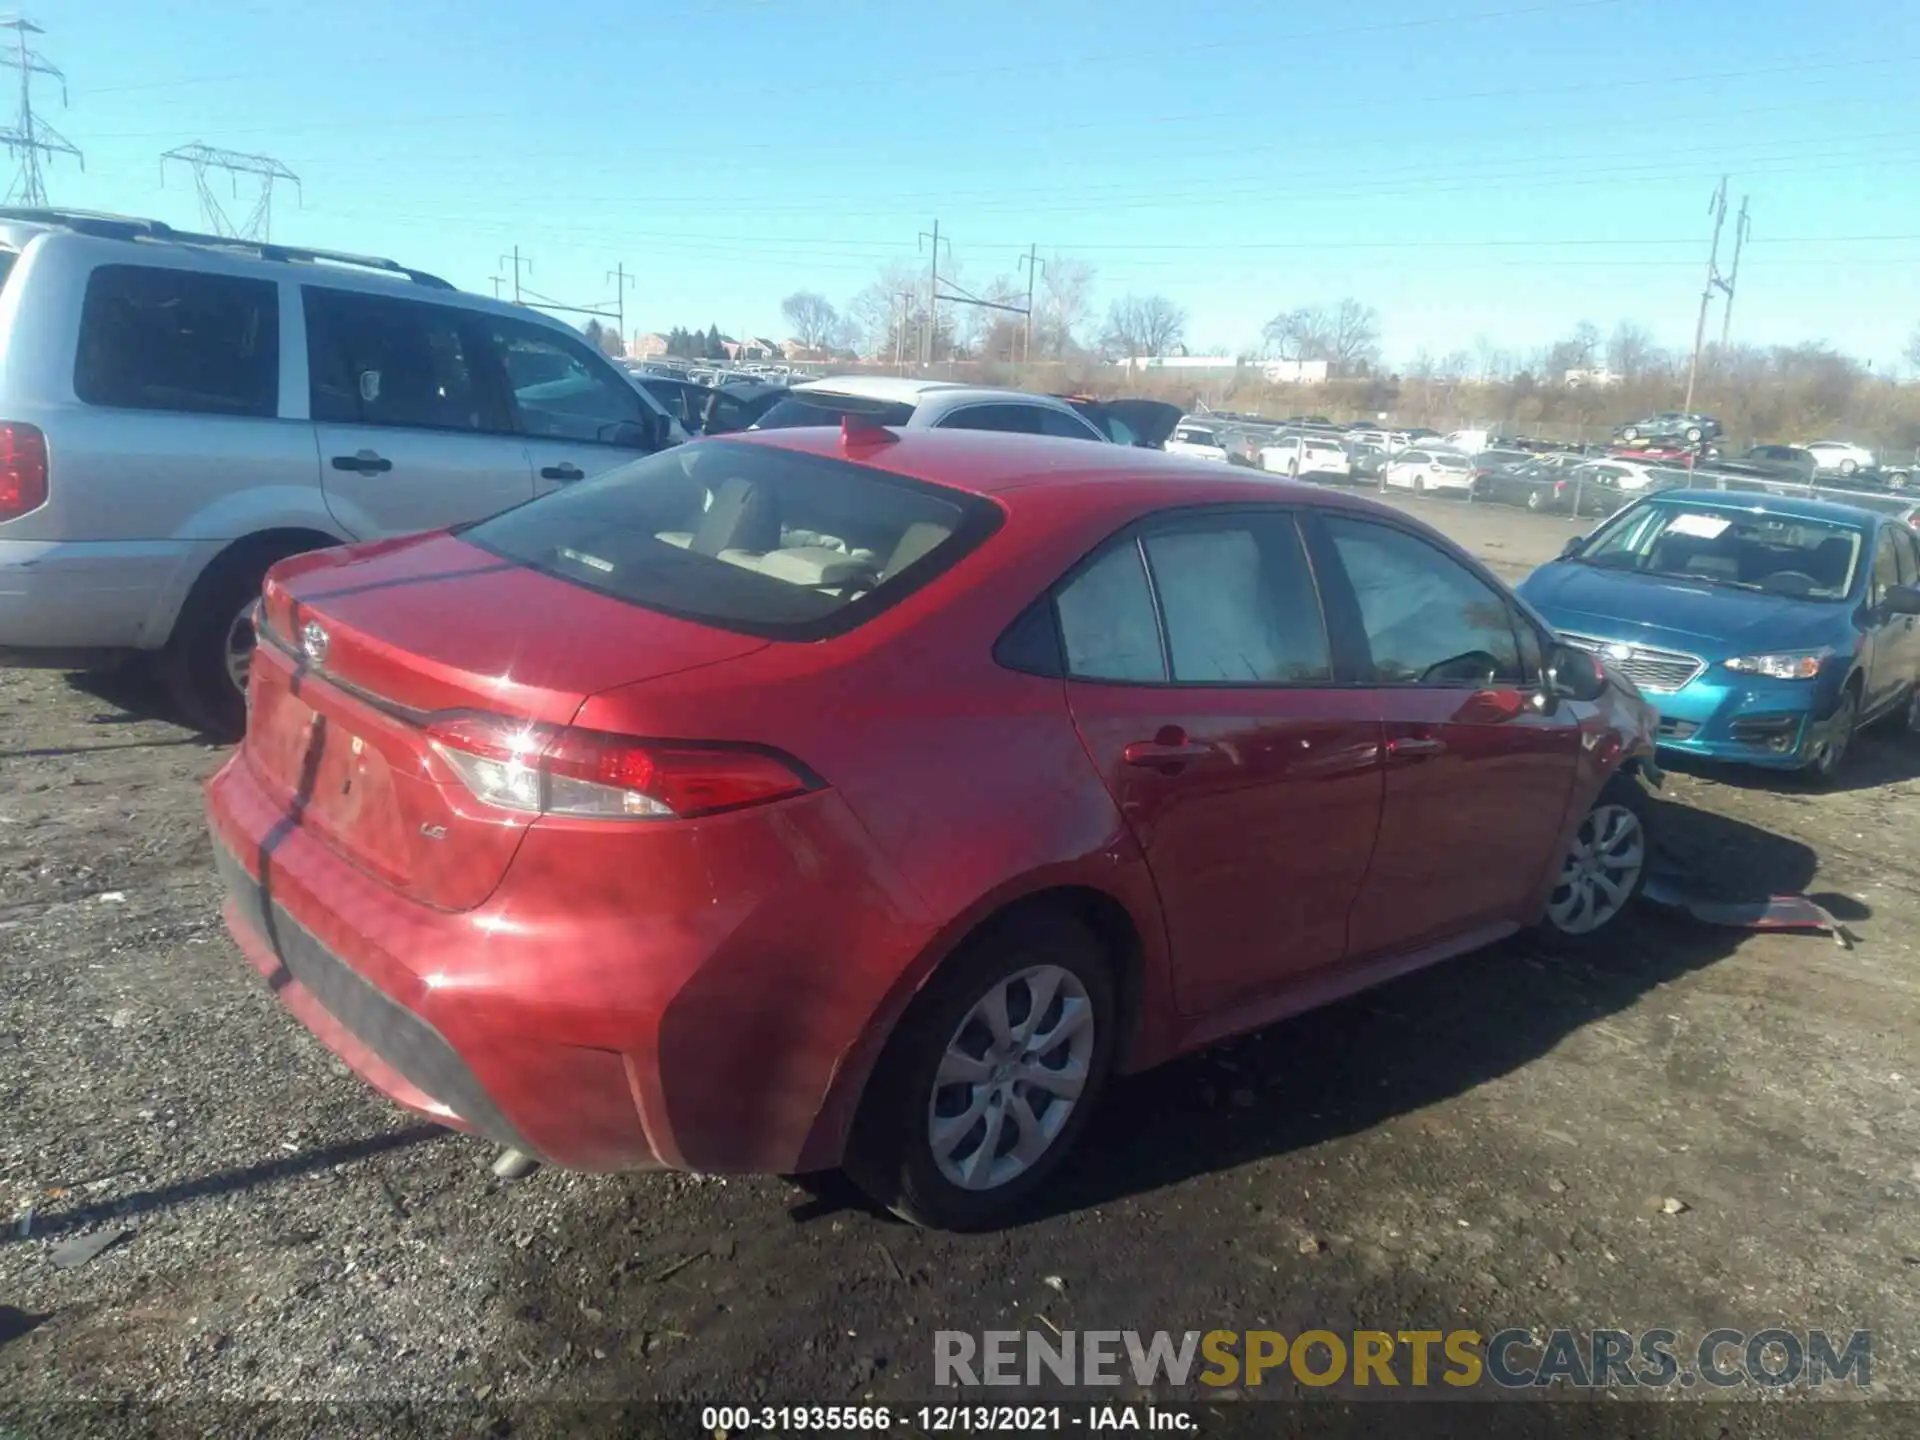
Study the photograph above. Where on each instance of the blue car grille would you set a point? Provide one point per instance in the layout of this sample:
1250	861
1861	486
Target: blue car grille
1649	669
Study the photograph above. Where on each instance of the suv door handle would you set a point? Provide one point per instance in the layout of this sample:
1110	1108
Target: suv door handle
565	470
1413	747
367	462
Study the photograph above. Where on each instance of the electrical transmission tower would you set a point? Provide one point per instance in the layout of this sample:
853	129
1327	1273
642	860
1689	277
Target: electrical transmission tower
202	158
30	137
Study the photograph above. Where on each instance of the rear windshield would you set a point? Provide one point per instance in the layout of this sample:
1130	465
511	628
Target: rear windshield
746	537
822	408
1188	436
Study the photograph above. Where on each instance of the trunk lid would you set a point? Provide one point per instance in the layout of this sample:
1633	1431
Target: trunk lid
364	644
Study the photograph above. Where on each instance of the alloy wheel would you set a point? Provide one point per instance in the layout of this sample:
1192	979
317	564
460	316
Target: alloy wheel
1600	872
1010	1077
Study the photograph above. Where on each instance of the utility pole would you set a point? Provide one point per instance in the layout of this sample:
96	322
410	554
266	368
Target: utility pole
202	158
1741	227
517	260
933	290
905	297
1716	207
621	280
498	281
1034	264
30	137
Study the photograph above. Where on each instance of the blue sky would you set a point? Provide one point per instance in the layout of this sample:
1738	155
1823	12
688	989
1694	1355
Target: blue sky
1474	169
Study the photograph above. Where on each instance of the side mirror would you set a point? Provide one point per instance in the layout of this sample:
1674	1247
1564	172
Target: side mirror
1902	600
1573	674
1575	544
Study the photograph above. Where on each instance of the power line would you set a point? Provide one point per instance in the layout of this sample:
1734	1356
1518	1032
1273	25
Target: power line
265	169
30	136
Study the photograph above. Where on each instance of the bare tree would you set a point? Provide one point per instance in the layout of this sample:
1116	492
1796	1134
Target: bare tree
1347	337
890	314
1913	348
1143	325
994	334
1064	304
1631	352
812	318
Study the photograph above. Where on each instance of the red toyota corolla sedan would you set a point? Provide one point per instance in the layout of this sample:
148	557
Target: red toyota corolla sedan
859	798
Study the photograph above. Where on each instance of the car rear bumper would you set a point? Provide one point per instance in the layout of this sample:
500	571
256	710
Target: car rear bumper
599	1019
60	596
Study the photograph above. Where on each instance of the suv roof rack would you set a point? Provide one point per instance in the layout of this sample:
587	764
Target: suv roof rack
128	227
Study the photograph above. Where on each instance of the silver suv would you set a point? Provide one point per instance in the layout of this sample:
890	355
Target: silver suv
178	412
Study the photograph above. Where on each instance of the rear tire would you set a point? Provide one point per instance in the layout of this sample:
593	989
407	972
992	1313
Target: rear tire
930	1074
1630	434
208	655
1848	468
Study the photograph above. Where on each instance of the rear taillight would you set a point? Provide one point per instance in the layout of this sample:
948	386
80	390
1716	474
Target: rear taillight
557	770
23	470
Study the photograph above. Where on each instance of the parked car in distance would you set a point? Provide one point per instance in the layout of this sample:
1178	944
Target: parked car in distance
791	938
1197	442
1545	484
1306	456
1670	425
1839	456
1766	629
1789	462
1423	470
890	401
182	411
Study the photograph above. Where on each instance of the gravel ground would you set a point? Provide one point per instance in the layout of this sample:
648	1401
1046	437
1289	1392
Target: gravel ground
1486	1144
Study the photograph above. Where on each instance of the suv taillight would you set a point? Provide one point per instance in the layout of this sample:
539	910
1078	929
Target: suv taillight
23	470
587	774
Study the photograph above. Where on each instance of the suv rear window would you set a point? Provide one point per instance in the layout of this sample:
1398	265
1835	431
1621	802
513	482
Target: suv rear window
824	408
161	339
746	537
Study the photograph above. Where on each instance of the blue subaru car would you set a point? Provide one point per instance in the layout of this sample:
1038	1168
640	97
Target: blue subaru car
1765	628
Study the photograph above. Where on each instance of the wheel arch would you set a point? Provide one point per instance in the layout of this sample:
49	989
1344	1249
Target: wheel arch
1132	943
278	542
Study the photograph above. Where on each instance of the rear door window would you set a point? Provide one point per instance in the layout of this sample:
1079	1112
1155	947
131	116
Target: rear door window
161	339
1064	426
1198	600
752	538
372	360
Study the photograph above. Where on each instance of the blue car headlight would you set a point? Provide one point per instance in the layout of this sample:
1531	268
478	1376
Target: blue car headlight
1782	665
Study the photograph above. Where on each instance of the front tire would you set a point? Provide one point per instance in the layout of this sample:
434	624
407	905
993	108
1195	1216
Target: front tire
1848	468
990	1079
1630	434
1605	867
1828	750
1694	434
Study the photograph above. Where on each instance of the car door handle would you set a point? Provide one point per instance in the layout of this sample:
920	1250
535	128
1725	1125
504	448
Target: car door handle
1414	747
1155	752
563	471
367	462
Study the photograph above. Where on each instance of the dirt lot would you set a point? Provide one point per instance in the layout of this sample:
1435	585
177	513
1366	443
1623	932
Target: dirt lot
1486	1144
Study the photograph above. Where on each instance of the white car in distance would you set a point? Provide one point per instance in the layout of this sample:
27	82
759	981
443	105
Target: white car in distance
1423	470
1305	455
1839	457
1197	442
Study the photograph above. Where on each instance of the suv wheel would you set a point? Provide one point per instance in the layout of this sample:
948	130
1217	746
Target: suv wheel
991	1077
1630	433
1694	435
1848	467
210	654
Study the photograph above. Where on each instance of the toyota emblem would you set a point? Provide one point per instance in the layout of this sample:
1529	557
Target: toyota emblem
313	641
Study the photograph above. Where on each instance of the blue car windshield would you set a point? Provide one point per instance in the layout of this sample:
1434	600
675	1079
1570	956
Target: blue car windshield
1747	549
